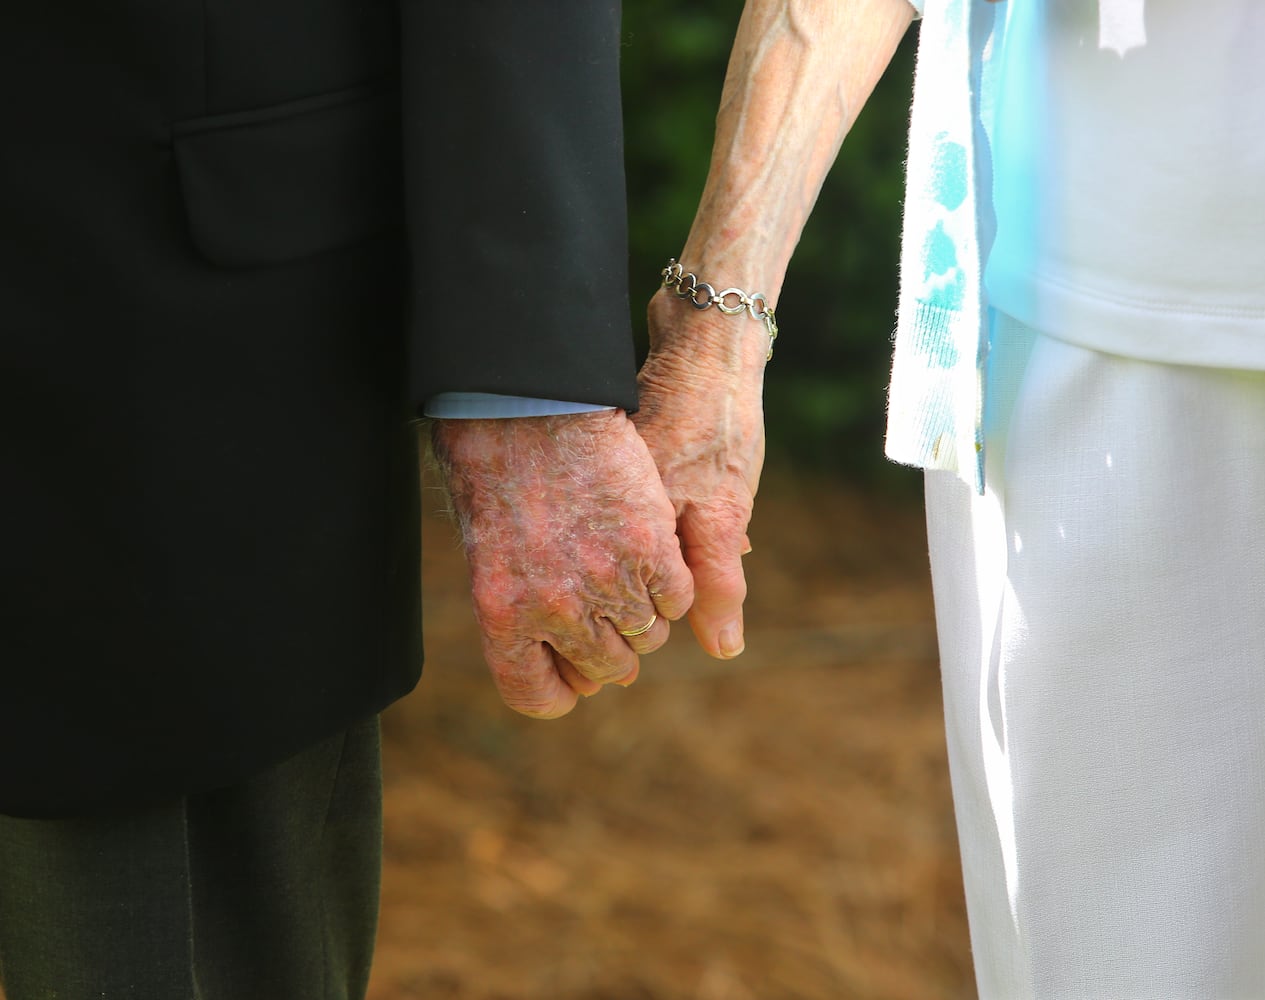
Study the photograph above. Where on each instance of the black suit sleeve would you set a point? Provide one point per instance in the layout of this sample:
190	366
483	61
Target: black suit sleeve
516	201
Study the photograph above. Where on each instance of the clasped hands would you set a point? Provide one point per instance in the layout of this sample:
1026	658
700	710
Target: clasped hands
581	529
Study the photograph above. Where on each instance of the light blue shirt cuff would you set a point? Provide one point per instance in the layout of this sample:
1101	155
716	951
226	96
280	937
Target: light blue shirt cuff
490	405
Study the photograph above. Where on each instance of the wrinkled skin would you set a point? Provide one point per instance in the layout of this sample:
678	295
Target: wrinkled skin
799	72
559	548
570	537
703	420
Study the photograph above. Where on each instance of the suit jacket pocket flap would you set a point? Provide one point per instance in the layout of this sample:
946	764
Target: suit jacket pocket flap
266	186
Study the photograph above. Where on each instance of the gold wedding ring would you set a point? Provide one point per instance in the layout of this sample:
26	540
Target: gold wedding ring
639	631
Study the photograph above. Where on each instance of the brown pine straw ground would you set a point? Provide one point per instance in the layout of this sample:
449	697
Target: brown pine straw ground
774	828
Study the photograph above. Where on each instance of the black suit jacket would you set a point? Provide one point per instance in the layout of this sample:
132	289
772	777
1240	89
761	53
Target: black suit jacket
241	241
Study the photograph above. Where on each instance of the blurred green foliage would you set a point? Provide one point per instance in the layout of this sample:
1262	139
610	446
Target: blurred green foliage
825	390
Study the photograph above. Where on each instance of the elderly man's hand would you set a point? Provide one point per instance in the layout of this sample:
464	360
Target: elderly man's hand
702	418
571	539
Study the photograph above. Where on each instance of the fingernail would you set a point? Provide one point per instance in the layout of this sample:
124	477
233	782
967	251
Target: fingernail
731	643
746	551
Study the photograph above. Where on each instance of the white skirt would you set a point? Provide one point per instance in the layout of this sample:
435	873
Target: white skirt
1101	612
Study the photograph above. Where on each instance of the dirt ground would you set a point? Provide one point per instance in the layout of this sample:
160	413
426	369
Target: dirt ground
775	828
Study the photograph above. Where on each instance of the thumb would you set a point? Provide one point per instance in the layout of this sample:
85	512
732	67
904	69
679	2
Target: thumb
713	543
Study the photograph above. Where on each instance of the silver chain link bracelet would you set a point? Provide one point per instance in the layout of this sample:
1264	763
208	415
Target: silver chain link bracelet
685	285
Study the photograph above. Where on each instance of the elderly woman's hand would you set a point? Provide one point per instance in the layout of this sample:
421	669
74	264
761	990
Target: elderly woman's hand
798	75
702	418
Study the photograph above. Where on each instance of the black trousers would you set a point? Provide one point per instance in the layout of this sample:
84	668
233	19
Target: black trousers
263	891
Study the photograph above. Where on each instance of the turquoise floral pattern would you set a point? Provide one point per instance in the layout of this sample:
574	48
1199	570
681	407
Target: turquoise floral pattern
935	400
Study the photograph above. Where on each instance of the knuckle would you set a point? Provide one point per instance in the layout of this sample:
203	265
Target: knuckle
674	592
497	623
495	602
599	570
646	539
717	524
517	609
734	592
727	521
604	670
726	580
